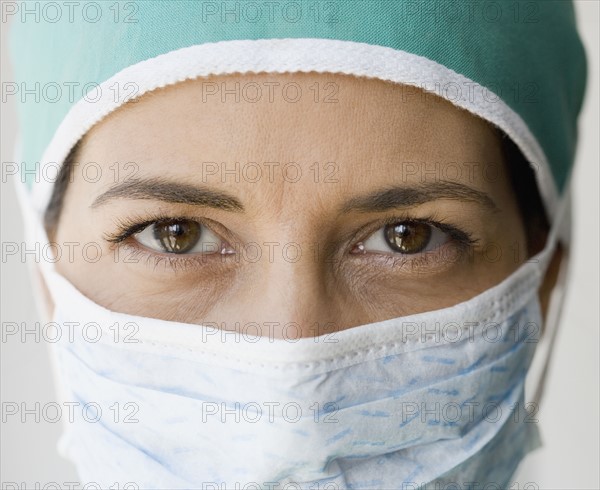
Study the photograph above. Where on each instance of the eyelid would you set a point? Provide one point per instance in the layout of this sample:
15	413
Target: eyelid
457	234
131	225
436	239
132	250
459	247
146	237
177	262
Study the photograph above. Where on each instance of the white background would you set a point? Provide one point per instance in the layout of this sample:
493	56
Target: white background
568	416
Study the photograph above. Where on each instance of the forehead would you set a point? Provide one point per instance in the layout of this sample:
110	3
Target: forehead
226	130
287	112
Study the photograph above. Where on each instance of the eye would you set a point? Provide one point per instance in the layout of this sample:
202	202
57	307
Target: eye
181	236
405	237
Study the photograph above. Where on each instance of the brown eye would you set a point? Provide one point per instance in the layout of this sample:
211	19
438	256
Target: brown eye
408	237
180	236
405	237
177	236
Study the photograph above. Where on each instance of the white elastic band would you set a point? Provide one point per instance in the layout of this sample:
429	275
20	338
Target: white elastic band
297	55
536	377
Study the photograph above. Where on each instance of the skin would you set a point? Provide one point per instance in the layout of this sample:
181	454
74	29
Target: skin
369	134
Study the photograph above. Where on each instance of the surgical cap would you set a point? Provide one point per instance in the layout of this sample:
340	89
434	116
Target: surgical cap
518	64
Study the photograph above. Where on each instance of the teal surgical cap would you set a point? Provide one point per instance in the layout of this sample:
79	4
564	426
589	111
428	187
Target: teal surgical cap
518	64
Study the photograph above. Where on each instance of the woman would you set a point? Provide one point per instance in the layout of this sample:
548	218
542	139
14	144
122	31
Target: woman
317	245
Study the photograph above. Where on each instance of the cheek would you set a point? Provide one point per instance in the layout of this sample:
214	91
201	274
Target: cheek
448	279
356	297
387	295
183	302
123	281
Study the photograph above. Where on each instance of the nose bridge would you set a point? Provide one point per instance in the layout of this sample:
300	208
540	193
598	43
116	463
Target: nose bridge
291	295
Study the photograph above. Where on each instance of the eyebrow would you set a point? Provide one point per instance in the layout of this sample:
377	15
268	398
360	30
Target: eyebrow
394	197
173	192
379	200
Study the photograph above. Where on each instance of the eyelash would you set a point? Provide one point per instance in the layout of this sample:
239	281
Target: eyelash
128	227
462	239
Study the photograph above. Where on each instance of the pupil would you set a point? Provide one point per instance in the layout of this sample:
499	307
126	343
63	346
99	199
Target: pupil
176	229
177	236
408	237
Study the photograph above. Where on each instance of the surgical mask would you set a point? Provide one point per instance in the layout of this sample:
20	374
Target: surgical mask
421	401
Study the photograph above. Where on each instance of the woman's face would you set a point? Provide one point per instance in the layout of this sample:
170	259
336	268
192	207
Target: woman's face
300	213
